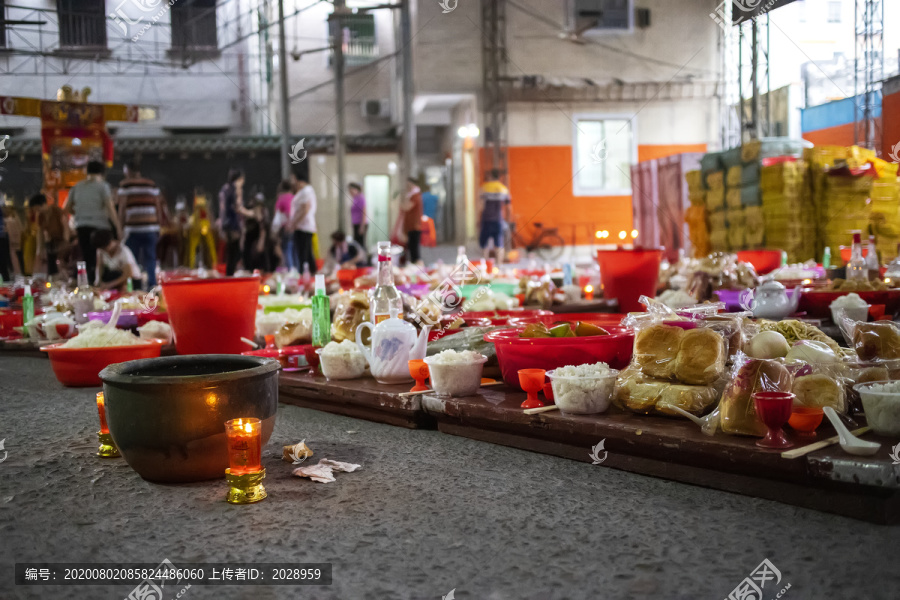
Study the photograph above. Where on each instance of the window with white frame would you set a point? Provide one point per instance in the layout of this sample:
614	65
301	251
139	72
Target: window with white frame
602	154
834	12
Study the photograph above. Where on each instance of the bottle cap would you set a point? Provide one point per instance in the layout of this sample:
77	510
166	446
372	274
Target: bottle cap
320	283
857	237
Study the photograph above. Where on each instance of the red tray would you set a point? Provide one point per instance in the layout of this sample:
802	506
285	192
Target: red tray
817	304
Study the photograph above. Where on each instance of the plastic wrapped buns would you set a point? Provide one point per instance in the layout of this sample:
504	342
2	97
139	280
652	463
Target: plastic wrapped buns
750	375
695	357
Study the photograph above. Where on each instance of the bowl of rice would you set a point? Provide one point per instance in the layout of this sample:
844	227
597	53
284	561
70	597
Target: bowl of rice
583	389
455	373
78	362
881	403
341	360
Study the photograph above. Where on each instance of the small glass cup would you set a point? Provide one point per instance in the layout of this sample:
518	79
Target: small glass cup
101	408
244	445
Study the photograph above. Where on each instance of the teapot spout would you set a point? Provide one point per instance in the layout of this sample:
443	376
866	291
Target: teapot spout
795	299
420	346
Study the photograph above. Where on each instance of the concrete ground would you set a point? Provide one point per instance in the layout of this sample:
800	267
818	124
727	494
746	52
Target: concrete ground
427	514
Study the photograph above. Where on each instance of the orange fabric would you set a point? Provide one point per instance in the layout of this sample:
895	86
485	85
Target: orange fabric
654	151
429	234
841	135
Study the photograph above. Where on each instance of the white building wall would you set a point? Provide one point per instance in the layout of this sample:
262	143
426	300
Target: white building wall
208	94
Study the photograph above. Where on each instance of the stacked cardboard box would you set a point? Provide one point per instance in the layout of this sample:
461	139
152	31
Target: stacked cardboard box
695	215
788	214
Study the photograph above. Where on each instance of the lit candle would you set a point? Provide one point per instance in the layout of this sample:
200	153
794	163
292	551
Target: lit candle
244	445
588	292
101	408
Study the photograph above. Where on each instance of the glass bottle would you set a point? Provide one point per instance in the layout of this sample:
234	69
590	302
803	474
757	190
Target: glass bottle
83	301
385	296
892	275
872	263
856	268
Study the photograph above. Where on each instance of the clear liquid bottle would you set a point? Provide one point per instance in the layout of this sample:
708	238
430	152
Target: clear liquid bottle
892	275
461	256
856	268
385	297
321	309
83	302
872	263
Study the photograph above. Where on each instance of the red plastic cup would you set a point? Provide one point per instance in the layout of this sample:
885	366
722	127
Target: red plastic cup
210	316
629	274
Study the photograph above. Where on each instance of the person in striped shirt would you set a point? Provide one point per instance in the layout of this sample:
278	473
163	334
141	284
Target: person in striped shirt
140	211
495	214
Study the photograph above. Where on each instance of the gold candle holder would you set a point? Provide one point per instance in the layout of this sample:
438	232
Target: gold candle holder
246	488
107	447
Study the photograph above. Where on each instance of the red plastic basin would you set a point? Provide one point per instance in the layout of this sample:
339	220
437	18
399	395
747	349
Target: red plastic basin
514	353
80	367
604	320
210	316
764	261
629	274
503	317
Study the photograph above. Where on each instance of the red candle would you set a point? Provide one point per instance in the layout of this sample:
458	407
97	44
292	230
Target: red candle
244	445
101	408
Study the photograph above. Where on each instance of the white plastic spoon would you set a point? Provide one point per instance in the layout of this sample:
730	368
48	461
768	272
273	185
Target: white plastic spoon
849	442
708	424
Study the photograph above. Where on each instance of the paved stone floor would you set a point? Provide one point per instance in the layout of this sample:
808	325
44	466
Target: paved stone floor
427	514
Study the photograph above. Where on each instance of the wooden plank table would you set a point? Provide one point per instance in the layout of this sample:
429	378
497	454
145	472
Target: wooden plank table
829	480
361	398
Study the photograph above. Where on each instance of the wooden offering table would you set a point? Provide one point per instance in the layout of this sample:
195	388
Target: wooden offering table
828	480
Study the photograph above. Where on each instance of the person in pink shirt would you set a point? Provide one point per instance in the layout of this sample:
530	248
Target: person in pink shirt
282	216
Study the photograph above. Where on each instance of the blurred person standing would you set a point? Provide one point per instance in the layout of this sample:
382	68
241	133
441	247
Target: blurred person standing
280	221
358	214
52	234
90	201
495	213
140	211
303	223
412	220
13	226
231	209
5	252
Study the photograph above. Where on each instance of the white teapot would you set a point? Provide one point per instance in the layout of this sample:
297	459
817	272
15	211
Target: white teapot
394	344
771	301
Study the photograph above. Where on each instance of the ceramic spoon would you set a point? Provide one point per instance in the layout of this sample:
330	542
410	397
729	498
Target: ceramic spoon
849	442
708	424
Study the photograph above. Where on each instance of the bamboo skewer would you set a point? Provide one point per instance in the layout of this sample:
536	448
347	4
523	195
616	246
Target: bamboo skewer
798	452
540	409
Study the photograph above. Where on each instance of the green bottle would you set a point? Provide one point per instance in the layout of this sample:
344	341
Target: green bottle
27	306
826	258
129	286
321	314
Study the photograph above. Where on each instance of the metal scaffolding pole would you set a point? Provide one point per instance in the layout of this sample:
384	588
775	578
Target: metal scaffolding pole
409	124
869	71
283	95
494	59
756	132
337	25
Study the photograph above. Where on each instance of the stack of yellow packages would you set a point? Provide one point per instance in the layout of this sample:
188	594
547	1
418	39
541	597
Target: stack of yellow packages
715	206
842	208
788	215
885	209
695	215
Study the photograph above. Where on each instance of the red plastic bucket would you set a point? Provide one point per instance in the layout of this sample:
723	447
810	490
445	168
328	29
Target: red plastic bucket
210	316
764	261
629	274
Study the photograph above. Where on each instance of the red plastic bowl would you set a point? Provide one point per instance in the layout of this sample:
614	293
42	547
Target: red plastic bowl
817	304
80	367
516	353
503	317
627	275
599	319
764	261
210	316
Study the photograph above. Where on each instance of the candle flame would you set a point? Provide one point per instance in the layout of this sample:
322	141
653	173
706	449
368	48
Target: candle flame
248	427
100	398
588	288
266	289
622	235
634	233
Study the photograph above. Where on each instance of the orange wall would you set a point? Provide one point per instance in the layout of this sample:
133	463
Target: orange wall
890	115
840	135
540	183
654	151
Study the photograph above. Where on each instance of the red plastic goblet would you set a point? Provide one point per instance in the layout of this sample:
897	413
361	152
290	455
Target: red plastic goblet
774	409
532	381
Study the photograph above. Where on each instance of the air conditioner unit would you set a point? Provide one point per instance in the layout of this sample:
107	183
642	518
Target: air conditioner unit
376	108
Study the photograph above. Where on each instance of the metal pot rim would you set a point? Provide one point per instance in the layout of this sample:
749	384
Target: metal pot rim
256	366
